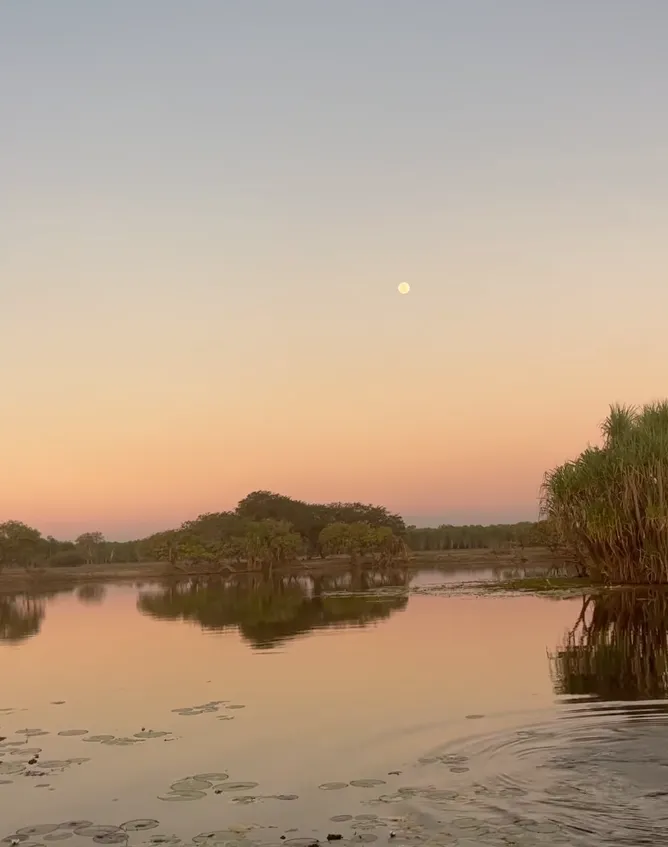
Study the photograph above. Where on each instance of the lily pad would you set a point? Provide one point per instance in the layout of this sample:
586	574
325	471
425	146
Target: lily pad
286	796
58	836
98	738
75	824
111	838
71	732
367	783
236	786
95	830
235	706
7	768
52	764
26	751
191	784
164	839
30	732
211	777
341	818
139	825
333	786
39	829
178	796
150	733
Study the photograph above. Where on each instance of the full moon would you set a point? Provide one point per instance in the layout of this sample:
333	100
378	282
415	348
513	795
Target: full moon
404	288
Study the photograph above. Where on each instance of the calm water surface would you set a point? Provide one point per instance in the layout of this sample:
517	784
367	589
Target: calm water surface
270	712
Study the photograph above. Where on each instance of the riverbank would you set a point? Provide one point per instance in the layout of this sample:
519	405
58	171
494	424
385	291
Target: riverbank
22	579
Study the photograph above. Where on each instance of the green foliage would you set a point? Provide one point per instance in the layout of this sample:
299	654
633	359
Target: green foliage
309	519
359	539
474	537
19	544
66	559
608	509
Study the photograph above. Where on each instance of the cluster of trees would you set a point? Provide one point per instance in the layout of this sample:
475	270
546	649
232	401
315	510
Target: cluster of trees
265	529
22	545
607	511
475	537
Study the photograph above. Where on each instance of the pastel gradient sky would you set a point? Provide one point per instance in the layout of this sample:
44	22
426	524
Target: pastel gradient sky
206	209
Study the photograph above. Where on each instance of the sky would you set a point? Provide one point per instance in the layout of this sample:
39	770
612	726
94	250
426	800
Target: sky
206	209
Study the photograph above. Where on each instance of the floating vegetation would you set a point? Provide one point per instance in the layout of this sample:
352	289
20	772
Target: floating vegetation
177	796
211	777
284	797
43	829
236	786
26	751
99	738
58	836
341	818
150	733
206	708
8	768
333	786
31	732
94	830
367	783
71	732
140	825
191	784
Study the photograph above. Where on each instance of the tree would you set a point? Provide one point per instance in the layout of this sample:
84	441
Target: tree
19	543
91	545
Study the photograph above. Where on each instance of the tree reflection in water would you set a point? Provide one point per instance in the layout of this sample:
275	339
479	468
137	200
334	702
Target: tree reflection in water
618	648
268	609
21	615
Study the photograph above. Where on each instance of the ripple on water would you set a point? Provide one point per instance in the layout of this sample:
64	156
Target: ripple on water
576	778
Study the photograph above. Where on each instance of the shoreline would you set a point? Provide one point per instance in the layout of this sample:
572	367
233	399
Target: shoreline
21	579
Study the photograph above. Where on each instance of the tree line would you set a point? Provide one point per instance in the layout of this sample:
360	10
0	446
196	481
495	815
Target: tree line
264	529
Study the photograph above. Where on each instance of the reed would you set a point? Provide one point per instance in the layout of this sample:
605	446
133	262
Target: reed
608	509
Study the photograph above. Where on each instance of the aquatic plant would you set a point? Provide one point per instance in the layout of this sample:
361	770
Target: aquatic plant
608	509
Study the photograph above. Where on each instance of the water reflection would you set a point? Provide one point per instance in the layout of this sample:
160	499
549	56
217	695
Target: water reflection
617	649
269	609
21	617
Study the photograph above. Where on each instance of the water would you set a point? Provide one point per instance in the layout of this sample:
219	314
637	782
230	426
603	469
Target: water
348	705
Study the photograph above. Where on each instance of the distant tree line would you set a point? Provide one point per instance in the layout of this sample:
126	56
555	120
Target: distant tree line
265	529
475	537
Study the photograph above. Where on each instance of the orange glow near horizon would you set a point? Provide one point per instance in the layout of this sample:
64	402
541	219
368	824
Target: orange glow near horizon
189	313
